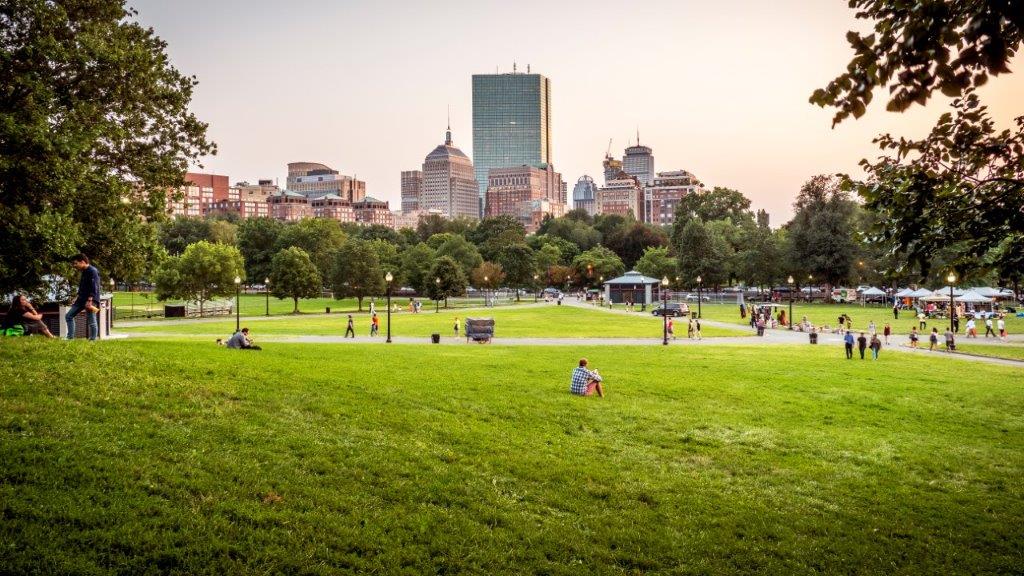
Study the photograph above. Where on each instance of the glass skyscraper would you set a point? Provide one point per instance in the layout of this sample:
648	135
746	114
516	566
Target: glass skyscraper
511	123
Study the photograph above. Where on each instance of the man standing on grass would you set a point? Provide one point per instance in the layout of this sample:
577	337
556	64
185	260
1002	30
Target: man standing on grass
848	342
350	329
585	382
862	344
87	299
988	328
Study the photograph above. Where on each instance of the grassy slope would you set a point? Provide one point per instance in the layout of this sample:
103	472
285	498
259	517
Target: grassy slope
134	456
1012	351
548	321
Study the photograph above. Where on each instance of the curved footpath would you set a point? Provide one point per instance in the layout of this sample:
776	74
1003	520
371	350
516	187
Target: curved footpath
771	338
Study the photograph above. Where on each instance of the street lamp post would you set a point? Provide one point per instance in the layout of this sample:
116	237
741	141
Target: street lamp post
700	294
113	287
388	278
664	310
535	277
952	311
238	296
437	301
790	281
266	290
487	301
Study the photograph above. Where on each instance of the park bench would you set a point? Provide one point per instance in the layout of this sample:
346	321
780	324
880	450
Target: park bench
479	329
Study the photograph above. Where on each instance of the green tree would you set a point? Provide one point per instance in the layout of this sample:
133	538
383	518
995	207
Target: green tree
590	266
759	261
379	232
180	233
356	271
417	262
656	262
715	204
462	251
94	130
822	233
257	241
204	271
503	226
293	275
519	265
631	241
488	275
223	232
549	255
390	259
963	185
580	234
567	250
701	251
320	238
453	280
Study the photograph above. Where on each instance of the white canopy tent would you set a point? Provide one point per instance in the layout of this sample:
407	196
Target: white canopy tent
920	293
905	293
970	297
873	292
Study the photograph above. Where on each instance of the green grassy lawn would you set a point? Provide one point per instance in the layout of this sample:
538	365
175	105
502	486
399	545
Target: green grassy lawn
149	457
135	306
820	314
1007	350
549	321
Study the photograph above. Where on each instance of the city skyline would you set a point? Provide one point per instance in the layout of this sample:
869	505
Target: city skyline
726	100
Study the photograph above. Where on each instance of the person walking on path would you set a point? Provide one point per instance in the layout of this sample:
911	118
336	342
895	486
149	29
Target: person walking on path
374	325
950	343
875	346
455	327
895	311
350	329
87	299
933	339
848	342
697	329
689	328
913	337
1001	326
988	328
862	344
886	332
872	328
972	330
672	328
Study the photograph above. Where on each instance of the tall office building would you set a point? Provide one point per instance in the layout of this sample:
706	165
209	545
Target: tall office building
449	185
511	123
584	195
663	196
315	180
639	162
412	187
622	196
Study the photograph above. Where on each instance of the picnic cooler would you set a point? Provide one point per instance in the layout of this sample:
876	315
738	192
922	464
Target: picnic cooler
479	329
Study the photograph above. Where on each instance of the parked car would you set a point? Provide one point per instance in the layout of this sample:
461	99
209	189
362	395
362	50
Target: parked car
693	296
671	309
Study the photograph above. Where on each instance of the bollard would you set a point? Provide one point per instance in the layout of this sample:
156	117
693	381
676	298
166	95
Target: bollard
435	338
813	337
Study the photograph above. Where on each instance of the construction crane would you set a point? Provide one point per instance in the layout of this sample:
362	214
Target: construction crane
608	153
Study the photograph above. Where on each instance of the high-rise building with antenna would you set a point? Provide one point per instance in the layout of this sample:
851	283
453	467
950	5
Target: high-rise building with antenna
638	161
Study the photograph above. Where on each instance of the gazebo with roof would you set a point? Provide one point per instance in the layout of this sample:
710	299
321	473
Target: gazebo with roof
630	287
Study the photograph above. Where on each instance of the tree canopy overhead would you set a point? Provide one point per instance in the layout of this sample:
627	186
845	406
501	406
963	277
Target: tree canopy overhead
919	46
94	129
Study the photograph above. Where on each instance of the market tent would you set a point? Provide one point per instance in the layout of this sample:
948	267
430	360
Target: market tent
920	293
872	292
936	297
905	293
970	297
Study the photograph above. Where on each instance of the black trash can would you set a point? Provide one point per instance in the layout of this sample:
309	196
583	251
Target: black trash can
328	310
435	338
760	330
813	337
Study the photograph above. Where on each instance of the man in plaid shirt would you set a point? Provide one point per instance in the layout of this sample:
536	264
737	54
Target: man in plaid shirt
585	382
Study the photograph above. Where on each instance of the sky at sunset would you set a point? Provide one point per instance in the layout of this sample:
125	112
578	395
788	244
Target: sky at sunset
716	88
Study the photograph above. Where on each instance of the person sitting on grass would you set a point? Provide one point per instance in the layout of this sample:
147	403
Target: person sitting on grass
240	341
585	382
21	313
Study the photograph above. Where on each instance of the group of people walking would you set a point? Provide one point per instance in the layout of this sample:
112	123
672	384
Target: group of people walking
863	344
692	328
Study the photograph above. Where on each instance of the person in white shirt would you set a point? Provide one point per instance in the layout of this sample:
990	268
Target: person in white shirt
988	327
971	331
1001	326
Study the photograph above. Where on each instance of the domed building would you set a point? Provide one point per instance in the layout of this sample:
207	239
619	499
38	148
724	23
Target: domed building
584	195
449	184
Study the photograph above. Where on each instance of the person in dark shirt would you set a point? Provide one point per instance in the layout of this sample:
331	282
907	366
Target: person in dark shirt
21	313
87	299
862	344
